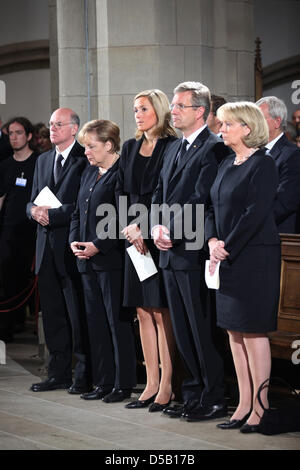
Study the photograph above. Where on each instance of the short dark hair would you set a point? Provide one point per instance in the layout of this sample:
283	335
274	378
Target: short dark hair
216	102
28	127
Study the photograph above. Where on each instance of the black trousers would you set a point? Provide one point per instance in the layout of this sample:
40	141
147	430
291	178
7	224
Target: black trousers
194	330
64	322
110	330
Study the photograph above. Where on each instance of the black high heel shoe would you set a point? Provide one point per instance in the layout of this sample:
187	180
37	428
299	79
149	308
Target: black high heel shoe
136	404
154	407
234	423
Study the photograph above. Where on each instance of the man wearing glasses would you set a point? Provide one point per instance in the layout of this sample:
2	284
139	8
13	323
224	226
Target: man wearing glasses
59	288
190	167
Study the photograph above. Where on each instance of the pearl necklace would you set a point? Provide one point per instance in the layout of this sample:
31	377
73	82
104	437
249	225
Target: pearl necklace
243	159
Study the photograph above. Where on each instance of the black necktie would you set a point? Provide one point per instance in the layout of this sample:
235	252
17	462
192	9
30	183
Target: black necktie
58	168
181	152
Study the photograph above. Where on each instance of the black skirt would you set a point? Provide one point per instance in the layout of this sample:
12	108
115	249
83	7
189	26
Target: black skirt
148	293
247	300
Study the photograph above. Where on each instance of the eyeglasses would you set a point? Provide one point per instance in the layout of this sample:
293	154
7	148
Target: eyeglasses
58	125
181	107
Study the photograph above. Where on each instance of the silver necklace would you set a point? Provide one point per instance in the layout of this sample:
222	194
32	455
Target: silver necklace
243	159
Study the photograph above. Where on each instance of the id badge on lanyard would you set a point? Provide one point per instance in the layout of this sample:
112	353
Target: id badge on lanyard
21	181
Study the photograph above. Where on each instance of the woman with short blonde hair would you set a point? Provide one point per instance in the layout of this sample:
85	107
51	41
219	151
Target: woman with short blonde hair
242	236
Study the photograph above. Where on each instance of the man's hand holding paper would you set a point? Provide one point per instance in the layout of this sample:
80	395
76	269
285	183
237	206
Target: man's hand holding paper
40	214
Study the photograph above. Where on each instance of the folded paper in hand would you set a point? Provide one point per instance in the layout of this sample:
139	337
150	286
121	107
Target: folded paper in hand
47	198
144	264
212	281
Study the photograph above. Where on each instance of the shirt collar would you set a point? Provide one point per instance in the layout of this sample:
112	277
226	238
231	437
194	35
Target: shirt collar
194	135
271	144
65	153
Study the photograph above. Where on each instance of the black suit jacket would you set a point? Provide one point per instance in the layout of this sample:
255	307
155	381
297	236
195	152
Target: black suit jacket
85	224
66	190
287	159
242	209
188	183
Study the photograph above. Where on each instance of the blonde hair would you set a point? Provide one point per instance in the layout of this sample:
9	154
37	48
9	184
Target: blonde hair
160	103
249	114
104	130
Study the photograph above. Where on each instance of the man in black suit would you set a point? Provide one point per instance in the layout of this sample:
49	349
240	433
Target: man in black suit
287	159
59	286
185	179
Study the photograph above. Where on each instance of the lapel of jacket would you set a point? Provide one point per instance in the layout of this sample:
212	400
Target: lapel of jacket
50	161
71	160
276	150
133	153
193	149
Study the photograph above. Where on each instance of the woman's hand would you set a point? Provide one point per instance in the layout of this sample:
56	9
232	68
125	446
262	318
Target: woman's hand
217	253
133	234
84	250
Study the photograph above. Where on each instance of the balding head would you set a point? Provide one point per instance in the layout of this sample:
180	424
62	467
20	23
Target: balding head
64	124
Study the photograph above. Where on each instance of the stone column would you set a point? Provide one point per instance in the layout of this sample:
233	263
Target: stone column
68	58
134	45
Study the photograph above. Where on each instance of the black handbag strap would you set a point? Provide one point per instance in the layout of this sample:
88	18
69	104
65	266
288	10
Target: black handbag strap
274	379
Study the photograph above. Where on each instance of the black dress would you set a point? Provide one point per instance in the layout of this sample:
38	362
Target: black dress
138	177
242	216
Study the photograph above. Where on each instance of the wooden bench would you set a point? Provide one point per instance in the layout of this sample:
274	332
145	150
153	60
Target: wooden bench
289	304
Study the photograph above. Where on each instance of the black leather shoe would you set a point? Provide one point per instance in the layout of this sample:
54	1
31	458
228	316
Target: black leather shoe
97	394
78	389
136	404
249	428
180	410
116	395
49	384
154	407
234	423
175	411
204	413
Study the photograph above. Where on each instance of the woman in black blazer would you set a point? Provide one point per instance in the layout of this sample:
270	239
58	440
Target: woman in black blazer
243	237
140	164
99	259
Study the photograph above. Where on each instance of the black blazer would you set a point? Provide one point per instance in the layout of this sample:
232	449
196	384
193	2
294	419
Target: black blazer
189	183
242	207
129	182
66	191
287	159
85	224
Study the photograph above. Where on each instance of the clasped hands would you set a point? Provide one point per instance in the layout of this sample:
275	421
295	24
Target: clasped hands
217	253
161	237
133	235
84	250
41	214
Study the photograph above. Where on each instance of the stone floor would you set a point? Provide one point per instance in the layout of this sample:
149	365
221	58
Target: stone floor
57	420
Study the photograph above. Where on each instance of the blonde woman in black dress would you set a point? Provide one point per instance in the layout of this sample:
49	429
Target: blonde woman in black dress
242	235
140	165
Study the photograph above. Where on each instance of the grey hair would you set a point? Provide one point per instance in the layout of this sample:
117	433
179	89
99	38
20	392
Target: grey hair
277	108
75	119
200	95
